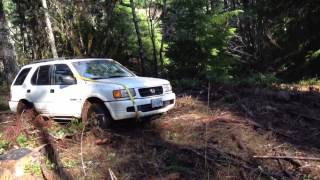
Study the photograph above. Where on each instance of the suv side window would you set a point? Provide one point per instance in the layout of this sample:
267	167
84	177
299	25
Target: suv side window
22	76
60	71
41	76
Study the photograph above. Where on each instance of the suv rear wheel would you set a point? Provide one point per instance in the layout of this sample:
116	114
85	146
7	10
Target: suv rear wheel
96	115
22	107
25	109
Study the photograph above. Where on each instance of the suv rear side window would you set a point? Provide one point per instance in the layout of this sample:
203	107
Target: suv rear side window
41	76
21	77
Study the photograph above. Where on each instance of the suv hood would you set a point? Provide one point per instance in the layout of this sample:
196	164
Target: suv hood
135	82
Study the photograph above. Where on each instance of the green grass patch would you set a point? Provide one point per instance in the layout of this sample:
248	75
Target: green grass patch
310	82
22	140
60	131
69	163
111	156
4	144
33	168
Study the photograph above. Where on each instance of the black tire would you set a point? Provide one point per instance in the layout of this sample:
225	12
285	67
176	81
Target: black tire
96	115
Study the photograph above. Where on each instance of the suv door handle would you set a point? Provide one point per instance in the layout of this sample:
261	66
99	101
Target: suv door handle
28	90
51	90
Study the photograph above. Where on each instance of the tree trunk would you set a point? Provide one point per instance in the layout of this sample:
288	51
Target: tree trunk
49	30
151	26
154	49
7	50
136	26
22	26
259	36
164	14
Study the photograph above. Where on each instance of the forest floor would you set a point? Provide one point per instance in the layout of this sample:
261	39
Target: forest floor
247	133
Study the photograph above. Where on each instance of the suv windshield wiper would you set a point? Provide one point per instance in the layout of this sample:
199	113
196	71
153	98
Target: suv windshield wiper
96	78
116	76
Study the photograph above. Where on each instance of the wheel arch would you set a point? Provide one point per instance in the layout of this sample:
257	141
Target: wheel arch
95	99
26	102
22	104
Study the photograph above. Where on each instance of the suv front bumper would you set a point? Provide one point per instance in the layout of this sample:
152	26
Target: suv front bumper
124	109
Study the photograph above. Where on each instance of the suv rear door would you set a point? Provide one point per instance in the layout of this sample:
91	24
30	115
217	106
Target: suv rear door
39	90
18	88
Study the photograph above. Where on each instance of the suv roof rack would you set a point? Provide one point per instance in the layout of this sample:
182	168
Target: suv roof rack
46	60
59	58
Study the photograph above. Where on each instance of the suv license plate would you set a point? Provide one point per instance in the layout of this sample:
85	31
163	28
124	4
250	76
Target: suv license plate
156	103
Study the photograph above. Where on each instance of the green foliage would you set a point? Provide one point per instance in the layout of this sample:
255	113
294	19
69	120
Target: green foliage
259	79
200	40
111	156
69	163
33	168
4	144
206	40
224	18
73	127
313	55
186	84
50	165
8	6
294	27
22	140
316	54
187	47
310	82
220	66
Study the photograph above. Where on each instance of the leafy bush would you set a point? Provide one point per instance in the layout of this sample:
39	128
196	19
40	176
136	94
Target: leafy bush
185	84
259	79
199	40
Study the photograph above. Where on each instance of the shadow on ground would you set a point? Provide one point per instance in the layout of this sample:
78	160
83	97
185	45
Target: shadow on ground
194	142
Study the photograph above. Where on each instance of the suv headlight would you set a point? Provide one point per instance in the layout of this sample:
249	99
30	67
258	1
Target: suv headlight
167	87
122	93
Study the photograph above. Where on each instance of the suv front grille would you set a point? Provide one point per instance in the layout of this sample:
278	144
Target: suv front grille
152	91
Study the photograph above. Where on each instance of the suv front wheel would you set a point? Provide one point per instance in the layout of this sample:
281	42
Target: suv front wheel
96	115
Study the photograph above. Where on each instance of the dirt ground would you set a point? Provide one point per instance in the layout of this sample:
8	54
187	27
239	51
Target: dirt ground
246	133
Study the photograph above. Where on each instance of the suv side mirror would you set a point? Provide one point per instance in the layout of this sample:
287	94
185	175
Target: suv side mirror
68	80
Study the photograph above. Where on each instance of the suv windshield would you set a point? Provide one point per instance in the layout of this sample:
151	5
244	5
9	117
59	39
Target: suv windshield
101	69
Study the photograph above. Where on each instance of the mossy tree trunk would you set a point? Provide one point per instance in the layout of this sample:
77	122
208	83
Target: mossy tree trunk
7	50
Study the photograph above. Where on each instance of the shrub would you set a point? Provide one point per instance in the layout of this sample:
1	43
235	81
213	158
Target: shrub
186	84
259	79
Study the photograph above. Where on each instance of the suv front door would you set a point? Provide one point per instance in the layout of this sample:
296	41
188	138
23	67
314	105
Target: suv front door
66	101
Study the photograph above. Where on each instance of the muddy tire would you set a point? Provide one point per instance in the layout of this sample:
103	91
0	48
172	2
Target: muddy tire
96	115
25	110
23	107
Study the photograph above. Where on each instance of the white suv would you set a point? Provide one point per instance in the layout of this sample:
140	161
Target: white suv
100	89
